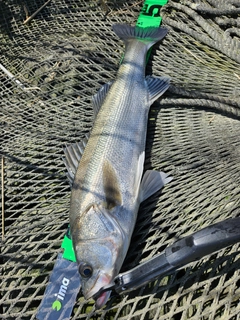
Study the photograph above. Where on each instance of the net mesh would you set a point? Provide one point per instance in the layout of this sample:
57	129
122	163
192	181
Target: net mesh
61	58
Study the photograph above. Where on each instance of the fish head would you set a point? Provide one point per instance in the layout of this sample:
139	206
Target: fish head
96	271
98	242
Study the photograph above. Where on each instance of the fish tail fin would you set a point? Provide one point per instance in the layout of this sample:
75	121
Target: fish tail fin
149	35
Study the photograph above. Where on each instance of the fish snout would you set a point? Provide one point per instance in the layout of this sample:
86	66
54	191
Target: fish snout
102	281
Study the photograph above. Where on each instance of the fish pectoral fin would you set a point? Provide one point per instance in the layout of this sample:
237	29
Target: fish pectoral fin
112	190
99	97
156	87
73	153
152	182
139	173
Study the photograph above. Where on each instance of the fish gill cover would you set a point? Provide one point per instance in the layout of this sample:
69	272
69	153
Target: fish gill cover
61	57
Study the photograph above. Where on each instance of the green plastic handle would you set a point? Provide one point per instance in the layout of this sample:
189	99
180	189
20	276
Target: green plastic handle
150	13
67	245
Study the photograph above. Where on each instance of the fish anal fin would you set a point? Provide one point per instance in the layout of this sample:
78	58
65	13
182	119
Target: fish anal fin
152	182
157	87
111	186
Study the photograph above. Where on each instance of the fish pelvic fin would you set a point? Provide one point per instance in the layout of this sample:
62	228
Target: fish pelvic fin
152	181
149	35
112	190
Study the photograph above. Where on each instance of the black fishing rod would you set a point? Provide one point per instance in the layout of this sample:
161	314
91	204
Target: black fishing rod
191	248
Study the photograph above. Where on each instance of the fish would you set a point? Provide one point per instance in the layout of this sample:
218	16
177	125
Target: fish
106	169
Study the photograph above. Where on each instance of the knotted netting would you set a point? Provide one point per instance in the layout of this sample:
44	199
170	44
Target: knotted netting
60	59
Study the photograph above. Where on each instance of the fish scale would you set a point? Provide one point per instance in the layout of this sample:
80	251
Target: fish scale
109	184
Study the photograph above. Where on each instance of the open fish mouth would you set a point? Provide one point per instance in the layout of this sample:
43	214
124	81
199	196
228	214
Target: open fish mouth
102	299
102	281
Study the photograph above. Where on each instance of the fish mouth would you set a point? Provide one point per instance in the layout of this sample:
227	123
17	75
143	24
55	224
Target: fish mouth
101	299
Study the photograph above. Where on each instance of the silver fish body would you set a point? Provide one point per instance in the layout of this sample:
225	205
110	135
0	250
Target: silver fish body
109	185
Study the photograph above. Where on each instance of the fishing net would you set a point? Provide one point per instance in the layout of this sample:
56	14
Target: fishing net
59	59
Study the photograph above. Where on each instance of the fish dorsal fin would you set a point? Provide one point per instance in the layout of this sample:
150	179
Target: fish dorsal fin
156	87
98	98
73	153
152	182
112	190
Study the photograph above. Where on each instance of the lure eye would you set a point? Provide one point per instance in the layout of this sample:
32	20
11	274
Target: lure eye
85	270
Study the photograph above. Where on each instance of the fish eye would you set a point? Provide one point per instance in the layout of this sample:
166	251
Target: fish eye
85	270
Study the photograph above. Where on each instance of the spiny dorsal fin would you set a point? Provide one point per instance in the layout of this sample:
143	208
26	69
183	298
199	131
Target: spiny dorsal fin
111	186
73	153
157	87
152	182
98	98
